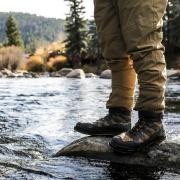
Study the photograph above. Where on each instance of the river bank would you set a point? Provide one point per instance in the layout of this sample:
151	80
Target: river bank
71	73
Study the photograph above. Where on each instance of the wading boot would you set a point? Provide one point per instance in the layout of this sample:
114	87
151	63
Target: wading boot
148	131
117	121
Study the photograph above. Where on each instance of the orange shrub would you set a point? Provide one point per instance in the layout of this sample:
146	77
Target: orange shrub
35	64
57	63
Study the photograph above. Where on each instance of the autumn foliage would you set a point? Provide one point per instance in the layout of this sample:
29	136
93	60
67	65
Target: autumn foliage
35	64
11	58
46	58
56	63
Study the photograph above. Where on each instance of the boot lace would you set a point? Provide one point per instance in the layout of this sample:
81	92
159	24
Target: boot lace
138	126
106	118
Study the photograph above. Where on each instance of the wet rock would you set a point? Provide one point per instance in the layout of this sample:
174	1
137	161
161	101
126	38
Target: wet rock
76	73
23	73
19	75
91	75
65	71
7	73
44	74
175	78
166	154
1	75
34	75
28	75
173	72
106	74
62	73
11	75
55	74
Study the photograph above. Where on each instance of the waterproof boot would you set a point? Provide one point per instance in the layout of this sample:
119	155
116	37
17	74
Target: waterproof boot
117	121
148	131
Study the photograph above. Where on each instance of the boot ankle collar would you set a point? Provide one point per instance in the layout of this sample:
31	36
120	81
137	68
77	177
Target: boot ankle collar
150	115
119	110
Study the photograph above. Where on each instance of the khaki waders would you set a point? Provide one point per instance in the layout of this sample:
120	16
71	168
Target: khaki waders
130	35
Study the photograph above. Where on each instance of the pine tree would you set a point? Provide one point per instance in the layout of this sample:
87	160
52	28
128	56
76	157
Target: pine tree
12	32
172	30
93	45
76	31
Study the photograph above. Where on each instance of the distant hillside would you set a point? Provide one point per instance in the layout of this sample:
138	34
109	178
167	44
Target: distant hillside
33	28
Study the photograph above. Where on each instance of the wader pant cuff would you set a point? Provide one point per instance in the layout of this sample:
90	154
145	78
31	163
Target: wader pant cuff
123	83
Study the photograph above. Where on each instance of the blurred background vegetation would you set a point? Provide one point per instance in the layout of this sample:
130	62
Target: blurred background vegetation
40	44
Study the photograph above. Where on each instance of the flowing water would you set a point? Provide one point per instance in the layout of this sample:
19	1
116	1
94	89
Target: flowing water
37	118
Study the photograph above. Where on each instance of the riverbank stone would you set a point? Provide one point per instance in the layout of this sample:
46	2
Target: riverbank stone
106	74
77	73
55	74
65	71
6	72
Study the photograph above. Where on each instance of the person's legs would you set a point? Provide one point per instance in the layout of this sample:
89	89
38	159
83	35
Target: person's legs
112	44
142	23
141	26
114	50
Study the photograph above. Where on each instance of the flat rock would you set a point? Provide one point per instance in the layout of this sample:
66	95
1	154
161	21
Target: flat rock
167	154
76	73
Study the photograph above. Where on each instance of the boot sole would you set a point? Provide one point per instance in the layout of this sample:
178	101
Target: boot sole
144	147
98	133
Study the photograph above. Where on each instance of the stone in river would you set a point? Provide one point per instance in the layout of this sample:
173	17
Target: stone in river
167	154
106	74
76	73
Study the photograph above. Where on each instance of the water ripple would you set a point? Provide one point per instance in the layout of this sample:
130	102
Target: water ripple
37	118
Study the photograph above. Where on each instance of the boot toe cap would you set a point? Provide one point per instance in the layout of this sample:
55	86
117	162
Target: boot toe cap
122	143
82	126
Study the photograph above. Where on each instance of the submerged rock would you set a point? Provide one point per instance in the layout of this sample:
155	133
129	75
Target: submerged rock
106	74
76	73
166	154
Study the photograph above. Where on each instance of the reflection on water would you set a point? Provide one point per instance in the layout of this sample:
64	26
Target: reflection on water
37	118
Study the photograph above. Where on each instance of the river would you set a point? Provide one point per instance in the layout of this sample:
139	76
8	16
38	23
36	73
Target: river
37	117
